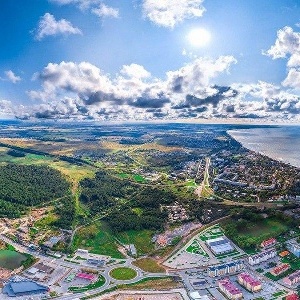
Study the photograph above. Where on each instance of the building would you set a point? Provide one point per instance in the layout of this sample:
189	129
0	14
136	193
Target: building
294	247
280	269
292	278
292	297
44	268
51	242
225	269
262	256
132	250
268	243
250	283
18	286
284	253
96	262
220	245
230	289
86	276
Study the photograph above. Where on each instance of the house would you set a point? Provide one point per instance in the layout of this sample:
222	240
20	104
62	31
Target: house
268	243
224	269
292	297
249	282
230	289
262	256
280	269
292	278
294	247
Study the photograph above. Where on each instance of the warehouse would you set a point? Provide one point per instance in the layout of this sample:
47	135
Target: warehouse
220	245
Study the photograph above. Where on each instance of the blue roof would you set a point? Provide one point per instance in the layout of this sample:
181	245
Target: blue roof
24	287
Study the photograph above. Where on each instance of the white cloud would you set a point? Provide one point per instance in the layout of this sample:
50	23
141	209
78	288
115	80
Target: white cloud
135	71
49	26
12	77
287	44
106	11
82	4
168	13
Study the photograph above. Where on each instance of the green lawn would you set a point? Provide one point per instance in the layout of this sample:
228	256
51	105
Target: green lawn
98	239
139	178
149	265
264	228
123	273
100	282
195	248
141	239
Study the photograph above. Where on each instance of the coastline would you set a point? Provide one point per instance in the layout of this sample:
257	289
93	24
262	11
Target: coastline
240	135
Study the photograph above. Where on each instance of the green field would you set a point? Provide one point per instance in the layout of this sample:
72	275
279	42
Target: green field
263	229
149	265
123	273
195	248
141	239
98	239
139	178
211	233
80	289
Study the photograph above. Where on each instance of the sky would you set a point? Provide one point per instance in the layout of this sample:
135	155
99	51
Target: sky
148	60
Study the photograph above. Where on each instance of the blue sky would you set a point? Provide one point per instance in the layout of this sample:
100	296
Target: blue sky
132	60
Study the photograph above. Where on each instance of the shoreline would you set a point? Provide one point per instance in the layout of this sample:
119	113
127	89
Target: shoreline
254	148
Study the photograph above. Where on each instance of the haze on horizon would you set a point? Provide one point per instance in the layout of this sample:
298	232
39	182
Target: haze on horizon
148	60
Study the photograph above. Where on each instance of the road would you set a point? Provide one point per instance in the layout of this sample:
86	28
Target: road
109	282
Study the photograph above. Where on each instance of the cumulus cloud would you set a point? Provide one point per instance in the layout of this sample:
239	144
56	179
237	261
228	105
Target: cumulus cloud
286	45
135	71
48	26
134	92
105	11
82	90
169	13
12	77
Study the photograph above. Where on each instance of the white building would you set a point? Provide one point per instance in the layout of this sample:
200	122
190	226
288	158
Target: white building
262	256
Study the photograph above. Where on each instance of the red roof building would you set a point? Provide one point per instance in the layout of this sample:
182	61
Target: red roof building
268	243
292	297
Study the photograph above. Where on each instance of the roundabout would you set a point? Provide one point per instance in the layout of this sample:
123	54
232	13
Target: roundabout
123	273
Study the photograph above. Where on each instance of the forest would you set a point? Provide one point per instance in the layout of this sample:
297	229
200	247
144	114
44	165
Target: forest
132	206
24	186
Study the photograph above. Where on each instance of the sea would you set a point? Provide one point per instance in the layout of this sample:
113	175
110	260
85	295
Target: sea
277	142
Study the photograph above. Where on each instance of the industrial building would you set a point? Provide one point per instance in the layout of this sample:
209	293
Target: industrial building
262	256
18	286
225	269
230	289
250	283
220	245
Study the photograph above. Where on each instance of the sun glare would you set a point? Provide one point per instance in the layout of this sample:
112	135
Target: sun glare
199	37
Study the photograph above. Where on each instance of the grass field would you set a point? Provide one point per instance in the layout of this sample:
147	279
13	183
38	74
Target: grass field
195	248
141	239
80	289
264	228
123	273
149	265
98	239
73	173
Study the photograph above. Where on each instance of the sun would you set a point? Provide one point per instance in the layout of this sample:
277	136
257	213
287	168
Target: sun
199	37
